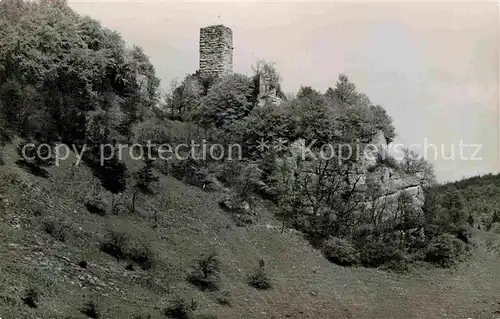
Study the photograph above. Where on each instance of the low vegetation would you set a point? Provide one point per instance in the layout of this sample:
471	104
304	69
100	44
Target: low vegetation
126	246
259	278
206	272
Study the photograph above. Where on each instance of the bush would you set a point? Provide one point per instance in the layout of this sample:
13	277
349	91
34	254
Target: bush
33	158
145	177
56	228
96	206
31	298
181	309
205	274
340	251
91	310
113	174
193	172
124	246
259	278
387	160
382	253
115	244
142	254
223	298
445	250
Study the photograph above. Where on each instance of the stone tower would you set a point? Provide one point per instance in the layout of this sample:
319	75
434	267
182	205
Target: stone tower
216	51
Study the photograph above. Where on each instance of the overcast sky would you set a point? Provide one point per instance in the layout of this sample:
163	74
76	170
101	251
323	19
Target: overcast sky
434	67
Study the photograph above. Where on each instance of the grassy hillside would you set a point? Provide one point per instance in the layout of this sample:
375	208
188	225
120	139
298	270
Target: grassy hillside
304	284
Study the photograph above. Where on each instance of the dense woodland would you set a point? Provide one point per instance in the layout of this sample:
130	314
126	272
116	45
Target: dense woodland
66	79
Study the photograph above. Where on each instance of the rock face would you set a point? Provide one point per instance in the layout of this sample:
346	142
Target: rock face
267	90
216	51
381	185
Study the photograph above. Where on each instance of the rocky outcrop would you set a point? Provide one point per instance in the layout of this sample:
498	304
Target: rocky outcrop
267	89
380	182
383	182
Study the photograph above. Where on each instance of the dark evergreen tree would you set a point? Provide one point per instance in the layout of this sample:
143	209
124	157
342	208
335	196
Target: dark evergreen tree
145	176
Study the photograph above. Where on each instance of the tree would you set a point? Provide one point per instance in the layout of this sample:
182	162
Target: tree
313	118
57	67
310	93
227	102
267	123
269	71
383	122
413	164
329	195
345	91
145	176
287	189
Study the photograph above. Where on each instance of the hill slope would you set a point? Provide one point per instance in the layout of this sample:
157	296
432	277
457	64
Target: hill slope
305	285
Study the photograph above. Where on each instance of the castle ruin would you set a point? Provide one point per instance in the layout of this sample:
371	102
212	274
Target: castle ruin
216	51
216	60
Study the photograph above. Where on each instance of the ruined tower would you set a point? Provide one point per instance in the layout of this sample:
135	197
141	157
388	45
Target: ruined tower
216	51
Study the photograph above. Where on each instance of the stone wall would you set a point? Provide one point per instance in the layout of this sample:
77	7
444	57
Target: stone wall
216	51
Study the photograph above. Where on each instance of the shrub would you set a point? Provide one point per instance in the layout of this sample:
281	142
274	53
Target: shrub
35	154
91	310
205	274
382	253
259	278
445	250
56	228
31	298
387	160
163	166
32	159
113	174
145	177
96	206
115	244
124	246
340	251
193	172
223	298
181	309
142	254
